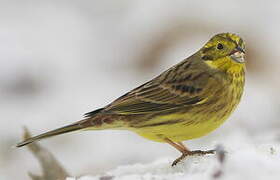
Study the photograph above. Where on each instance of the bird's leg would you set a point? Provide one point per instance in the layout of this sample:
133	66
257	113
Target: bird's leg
185	151
196	152
178	146
183	145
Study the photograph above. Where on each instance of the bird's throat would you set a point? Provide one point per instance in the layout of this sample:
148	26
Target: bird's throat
227	65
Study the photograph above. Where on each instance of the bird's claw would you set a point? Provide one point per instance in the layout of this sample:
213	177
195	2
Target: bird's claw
191	153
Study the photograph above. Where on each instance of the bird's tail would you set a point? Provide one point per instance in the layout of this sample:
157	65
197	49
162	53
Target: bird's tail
69	128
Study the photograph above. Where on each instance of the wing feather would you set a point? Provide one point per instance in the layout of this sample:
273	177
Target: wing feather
175	88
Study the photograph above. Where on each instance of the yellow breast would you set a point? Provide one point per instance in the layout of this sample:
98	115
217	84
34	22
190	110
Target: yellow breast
202	119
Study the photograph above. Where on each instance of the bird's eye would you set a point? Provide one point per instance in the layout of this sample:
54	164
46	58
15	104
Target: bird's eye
220	46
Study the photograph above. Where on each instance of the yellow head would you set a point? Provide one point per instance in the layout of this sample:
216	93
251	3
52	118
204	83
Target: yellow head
225	52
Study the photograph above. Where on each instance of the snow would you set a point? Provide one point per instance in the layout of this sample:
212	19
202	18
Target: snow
252	156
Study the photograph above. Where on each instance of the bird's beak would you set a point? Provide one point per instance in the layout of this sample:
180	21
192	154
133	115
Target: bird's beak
238	55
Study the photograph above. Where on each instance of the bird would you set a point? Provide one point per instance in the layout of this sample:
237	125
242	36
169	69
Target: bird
187	101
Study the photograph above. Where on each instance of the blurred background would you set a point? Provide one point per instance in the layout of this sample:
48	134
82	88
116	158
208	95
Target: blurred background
61	59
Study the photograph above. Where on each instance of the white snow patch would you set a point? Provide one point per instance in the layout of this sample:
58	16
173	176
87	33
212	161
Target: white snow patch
253	156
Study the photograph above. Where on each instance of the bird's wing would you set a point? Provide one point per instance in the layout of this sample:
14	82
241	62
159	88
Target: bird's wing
179	86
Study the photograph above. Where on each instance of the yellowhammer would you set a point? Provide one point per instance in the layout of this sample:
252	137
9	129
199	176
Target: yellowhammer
185	102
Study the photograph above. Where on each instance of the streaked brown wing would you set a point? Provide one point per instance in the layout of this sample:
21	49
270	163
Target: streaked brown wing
174	88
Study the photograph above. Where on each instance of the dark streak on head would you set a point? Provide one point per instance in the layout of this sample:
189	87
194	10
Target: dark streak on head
205	50
205	57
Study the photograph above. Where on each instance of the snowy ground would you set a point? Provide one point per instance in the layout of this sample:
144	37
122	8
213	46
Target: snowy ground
250	157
